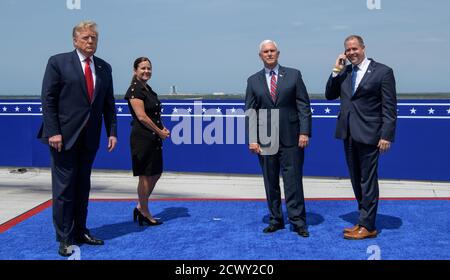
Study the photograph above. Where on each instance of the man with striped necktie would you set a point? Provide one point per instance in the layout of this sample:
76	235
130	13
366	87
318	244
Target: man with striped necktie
280	92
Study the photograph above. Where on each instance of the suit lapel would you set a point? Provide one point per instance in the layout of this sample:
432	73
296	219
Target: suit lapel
347	84
281	78
263	80
79	72
98	77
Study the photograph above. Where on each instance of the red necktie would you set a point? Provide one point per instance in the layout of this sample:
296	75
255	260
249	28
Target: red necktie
273	86
89	78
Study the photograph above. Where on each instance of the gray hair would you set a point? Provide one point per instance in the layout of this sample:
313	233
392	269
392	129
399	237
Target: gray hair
87	24
261	45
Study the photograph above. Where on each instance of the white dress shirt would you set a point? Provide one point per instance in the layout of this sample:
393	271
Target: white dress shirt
362	69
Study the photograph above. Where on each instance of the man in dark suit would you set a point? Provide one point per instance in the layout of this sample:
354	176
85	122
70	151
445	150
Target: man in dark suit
278	99
366	123
77	91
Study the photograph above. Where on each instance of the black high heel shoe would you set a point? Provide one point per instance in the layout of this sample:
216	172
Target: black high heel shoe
142	219
135	214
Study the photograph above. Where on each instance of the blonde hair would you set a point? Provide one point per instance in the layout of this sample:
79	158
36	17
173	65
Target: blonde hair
86	24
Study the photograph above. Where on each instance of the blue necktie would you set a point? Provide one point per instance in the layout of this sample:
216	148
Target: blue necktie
354	73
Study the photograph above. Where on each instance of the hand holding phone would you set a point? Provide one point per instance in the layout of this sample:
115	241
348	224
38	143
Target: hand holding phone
340	62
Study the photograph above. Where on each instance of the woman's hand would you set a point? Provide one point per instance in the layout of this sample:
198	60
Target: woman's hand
164	133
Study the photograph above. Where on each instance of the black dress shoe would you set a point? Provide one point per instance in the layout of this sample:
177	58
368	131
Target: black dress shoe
303	232
88	239
144	220
273	228
64	249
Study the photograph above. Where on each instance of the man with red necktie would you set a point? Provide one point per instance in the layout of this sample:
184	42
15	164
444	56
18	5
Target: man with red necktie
77	92
281	92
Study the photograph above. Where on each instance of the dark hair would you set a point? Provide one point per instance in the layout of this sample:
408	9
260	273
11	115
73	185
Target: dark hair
136	64
139	60
357	37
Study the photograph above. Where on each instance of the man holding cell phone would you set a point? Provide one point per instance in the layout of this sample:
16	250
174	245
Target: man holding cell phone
366	122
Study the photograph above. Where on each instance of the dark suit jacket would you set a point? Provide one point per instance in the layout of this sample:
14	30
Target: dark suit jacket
292	102
371	113
65	105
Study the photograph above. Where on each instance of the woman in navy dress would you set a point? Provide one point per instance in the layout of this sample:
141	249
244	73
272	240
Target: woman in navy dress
146	137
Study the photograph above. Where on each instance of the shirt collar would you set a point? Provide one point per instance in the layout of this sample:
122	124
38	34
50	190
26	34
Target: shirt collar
275	69
364	64
82	57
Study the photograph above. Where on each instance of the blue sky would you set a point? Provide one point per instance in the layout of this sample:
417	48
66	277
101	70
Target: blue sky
205	46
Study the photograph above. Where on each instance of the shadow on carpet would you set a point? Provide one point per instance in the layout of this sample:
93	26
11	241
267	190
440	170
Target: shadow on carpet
232	230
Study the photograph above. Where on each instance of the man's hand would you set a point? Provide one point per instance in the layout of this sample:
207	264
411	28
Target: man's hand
254	148
112	142
56	142
338	64
384	145
303	141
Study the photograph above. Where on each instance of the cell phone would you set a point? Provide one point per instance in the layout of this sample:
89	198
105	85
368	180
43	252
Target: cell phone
342	61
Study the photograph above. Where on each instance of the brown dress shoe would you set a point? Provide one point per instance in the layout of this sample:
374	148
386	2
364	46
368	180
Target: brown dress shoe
352	229
361	233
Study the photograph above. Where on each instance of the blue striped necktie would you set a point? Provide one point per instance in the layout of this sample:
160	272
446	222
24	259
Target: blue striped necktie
354	73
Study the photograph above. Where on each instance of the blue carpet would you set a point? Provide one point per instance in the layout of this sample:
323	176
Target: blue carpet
231	230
